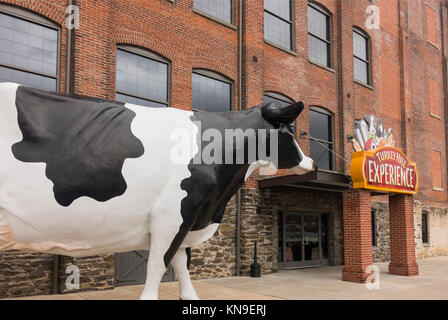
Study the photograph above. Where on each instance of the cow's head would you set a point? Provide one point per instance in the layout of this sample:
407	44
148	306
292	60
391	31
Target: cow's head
282	118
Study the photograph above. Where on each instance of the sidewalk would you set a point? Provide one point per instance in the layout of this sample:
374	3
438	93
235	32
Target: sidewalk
301	284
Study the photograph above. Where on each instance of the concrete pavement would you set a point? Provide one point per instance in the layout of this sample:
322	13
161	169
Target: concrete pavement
300	284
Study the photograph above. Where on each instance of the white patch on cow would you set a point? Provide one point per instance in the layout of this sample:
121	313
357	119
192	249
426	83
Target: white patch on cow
195	238
305	166
151	203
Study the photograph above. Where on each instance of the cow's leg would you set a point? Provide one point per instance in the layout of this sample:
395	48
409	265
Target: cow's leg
155	268
180	265
164	246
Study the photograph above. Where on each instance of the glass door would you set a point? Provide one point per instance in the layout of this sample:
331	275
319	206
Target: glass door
302	240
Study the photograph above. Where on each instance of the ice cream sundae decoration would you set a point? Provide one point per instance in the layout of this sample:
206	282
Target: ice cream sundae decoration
370	134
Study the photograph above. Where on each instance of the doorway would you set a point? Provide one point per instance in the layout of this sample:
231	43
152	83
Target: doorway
131	269
302	240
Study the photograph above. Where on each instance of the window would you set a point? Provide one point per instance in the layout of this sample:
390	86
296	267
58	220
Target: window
319	36
361	53
425	234
281	99
278	22
437	170
321	138
374	241
431	29
142	77
211	92
433	92
29	49
221	9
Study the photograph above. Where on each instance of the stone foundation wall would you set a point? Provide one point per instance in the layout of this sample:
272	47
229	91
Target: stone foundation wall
217	257
25	274
381	252
438	231
437	225
96	273
30	274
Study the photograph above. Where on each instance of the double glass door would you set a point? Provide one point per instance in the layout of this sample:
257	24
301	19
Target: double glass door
302	240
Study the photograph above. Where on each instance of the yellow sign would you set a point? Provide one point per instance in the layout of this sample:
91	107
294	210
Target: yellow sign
386	170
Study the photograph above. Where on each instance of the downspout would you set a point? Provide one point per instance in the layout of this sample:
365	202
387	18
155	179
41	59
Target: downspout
444	73
57	258
240	107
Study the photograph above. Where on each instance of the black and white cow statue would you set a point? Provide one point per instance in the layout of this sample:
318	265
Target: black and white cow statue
82	176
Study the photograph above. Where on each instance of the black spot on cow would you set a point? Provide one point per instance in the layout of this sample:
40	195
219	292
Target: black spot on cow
211	186
83	141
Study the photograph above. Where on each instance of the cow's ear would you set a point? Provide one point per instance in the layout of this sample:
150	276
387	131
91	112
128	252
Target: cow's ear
276	113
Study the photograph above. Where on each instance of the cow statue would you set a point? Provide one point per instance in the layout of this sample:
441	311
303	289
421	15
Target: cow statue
81	176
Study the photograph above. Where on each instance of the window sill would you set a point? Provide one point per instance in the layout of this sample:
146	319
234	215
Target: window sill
280	48
433	44
317	64
437	189
365	85
222	22
426	245
435	116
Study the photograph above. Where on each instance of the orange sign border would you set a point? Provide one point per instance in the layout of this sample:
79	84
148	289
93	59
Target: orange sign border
359	179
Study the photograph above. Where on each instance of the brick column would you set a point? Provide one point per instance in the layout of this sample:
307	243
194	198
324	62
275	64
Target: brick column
357	236
402	241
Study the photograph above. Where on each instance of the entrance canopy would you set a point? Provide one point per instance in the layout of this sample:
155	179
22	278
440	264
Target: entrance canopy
318	180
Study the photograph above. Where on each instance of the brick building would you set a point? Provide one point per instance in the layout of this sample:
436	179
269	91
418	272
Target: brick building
343	58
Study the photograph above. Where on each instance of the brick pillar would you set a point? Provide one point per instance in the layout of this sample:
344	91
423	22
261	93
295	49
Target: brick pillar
357	236
402	241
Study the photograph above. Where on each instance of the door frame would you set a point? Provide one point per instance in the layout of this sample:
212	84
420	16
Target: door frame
302	264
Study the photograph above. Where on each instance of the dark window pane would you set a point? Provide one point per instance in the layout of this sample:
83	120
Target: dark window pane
359	46
281	8
221	9
210	94
373	217
318	23
277	30
28	79
321	155
361	71
318	51
425	238
141	77
28	45
320	126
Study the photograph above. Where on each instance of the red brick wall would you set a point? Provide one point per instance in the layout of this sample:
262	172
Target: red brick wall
402	60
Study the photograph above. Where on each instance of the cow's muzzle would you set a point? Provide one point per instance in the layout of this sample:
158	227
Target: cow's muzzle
305	166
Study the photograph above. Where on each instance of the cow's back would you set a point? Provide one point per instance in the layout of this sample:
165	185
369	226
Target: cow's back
83	221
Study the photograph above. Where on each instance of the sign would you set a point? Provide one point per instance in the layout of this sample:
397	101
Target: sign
384	169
